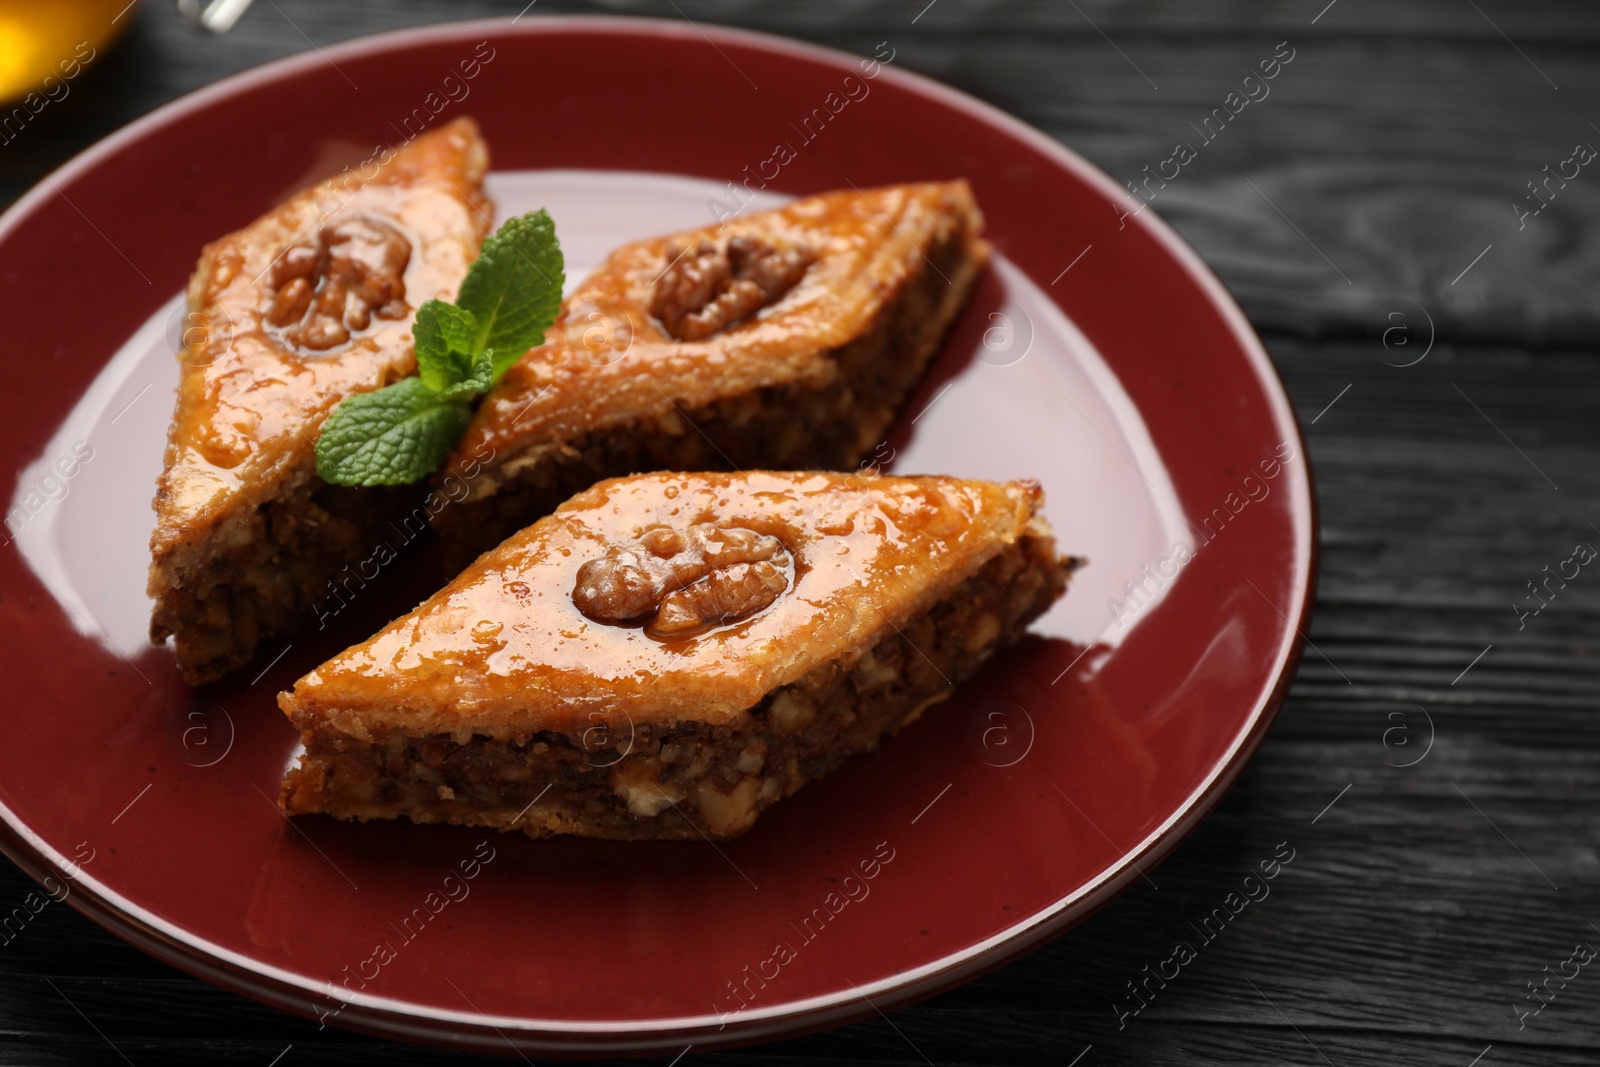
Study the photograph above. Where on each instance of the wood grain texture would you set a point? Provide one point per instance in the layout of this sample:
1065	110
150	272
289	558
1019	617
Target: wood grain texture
1385	158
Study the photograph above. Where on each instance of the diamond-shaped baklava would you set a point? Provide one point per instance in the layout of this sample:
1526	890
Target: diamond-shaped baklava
779	339
668	654
311	303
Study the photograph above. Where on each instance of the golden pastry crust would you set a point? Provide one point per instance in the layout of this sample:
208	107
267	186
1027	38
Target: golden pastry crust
533	694
311	303
826	312
504	651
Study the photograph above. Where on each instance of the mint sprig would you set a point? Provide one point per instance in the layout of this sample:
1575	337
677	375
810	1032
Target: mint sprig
404	431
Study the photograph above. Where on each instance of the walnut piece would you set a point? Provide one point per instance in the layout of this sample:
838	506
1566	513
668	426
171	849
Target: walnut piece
707	288
680	584
335	283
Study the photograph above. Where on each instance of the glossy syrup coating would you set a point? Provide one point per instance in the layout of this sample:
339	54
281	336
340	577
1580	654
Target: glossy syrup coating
608	361
505	651
250	401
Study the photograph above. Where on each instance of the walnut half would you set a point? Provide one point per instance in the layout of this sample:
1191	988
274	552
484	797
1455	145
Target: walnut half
680	584
334	284
709	287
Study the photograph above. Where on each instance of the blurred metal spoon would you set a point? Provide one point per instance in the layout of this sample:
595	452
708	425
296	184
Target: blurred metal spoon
218	16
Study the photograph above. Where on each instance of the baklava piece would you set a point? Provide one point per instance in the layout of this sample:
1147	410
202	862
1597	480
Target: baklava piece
781	339
668	654
311	303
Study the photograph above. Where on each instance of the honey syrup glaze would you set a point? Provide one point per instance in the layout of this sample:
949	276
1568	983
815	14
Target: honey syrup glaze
505	650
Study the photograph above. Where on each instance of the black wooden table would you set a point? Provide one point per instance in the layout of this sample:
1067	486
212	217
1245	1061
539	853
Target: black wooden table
1373	216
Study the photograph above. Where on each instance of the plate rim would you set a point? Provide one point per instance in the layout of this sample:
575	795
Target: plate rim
398	1019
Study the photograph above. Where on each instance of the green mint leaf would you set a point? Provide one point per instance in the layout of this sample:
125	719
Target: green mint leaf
403	432
477	380
514	287
398	434
444	337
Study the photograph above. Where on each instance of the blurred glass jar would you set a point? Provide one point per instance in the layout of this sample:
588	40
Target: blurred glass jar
46	43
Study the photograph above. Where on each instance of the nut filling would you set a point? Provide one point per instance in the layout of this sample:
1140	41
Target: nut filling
707	288
334	284
680	584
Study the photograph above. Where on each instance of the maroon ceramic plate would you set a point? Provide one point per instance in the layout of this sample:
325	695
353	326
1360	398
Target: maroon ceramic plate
1099	356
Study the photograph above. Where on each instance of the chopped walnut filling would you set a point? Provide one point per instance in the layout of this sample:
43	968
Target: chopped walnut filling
707	288
683	583
334	284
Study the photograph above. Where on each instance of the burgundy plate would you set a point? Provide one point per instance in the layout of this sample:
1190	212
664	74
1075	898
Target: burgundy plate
1099	356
